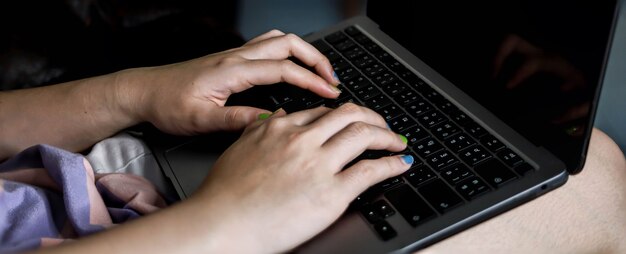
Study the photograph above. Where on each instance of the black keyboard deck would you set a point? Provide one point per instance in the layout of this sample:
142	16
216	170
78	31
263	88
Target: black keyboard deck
456	160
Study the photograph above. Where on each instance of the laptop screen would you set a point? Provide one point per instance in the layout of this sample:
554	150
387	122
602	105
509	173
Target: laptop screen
536	64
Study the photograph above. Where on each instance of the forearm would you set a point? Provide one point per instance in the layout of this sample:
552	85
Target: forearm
72	116
193	226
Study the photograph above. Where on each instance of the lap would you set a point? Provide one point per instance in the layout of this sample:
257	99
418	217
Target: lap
586	215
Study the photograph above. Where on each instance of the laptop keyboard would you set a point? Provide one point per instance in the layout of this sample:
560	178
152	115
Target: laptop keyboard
456	160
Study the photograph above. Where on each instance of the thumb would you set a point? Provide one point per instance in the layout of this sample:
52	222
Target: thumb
230	118
366	173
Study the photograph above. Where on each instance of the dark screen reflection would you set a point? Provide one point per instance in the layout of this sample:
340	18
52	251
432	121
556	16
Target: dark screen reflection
535	64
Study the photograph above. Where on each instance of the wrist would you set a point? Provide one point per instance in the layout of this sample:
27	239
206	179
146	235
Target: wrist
130	96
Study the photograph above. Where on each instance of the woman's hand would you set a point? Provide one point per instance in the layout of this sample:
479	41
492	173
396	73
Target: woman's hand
188	98
281	183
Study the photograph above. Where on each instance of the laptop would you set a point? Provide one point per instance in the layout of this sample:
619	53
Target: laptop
496	98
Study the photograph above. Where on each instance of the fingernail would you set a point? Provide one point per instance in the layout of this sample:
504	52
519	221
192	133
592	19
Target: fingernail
408	159
403	138
264	116
336	77
334	88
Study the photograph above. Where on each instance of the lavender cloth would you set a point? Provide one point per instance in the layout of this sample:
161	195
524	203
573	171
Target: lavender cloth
48	195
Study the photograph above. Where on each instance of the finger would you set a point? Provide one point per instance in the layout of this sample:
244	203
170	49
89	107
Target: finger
285	46
358	137
259	72
305	117
356	179
261	119
338	119
271	34
227	118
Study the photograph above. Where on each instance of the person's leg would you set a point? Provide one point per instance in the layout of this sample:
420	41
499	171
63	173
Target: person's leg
586	215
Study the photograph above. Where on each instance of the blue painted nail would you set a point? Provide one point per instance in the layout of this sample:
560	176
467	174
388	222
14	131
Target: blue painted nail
408	159
336	77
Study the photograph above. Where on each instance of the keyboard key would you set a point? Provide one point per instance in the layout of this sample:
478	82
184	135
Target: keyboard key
395	66
407	96
354	53
372	47
367	92
459	117
364	61
459	141
445	105
472	188
427	147
371	214
390	112
383	208
419	175
494	172
384	230
414	134
444	130
455	173
373	70
321	46
509	157
524	168
378	102
340	65
352	31
418	107
475	130
441	159
377	211
388	184
336	38
440	196
344	46
431	118
384	78
401	123
357	83
491	142
347	74
332	56
384	57
362	39
474	154
337	103
394	87
414	210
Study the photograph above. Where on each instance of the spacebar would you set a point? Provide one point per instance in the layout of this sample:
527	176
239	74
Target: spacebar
410	205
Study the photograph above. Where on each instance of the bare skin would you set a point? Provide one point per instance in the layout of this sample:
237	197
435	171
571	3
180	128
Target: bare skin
586	215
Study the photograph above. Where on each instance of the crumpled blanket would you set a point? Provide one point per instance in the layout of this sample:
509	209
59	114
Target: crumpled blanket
49	195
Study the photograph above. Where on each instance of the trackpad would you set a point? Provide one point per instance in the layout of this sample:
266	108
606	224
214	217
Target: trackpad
190	163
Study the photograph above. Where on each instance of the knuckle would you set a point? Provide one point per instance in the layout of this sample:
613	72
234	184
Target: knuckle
275	32
228	61
350	108
231	117
360	129
292	38
365	171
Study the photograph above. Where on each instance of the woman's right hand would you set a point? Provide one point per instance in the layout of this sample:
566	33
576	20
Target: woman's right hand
282	182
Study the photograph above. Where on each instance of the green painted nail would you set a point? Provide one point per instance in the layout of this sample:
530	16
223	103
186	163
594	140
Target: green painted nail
264	116
403	138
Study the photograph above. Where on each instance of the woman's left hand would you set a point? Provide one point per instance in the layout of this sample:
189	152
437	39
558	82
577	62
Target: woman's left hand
188	98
